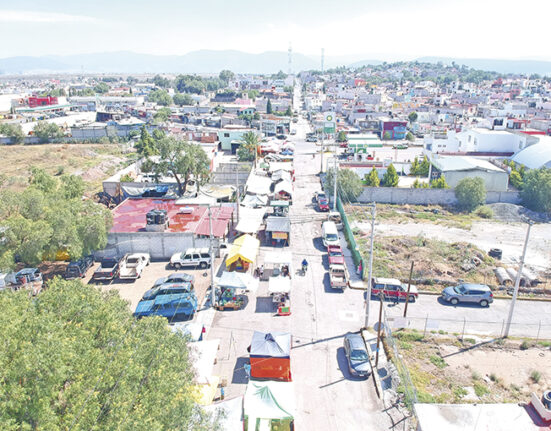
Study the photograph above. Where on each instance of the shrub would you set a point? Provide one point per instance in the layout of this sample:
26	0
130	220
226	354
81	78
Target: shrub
390	178
536	191
470	193
372	179
535	376
484	212
480	389
525	345
438	361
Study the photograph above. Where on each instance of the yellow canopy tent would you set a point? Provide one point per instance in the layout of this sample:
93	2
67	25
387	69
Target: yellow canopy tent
242	253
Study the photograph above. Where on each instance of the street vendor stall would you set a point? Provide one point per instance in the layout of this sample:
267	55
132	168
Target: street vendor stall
231	289
269	406
243	253
270	356
278	230
279	208
203	358
279	289
283	190
278	264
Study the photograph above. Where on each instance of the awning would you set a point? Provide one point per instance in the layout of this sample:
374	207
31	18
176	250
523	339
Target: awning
203	357
254	201
284	186
281	175
278	224
279	285
258	185
269	400
278	258
245	248
238	280
250	219
285	166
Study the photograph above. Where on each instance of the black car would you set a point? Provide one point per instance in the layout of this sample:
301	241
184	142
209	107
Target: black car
357	356
78	268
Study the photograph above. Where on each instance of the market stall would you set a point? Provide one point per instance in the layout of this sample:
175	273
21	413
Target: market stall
270	356
243	253
232	289
278	264
279	289
279	208
269	405
278	230
203	358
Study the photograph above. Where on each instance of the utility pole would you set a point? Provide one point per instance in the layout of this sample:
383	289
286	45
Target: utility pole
237	189
335	183
379	327
368	298
321	153
517	282
409	287
212	293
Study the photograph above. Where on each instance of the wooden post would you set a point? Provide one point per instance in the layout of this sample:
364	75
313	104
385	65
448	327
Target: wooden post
409	287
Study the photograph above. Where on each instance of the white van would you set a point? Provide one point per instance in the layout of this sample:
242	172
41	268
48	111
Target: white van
329	233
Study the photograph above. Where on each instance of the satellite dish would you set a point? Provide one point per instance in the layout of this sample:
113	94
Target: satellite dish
376	326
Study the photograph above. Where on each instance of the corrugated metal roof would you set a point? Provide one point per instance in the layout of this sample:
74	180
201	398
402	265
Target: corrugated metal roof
278	224
463	163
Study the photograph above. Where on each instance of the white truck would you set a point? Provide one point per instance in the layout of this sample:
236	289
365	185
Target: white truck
338	276
132	265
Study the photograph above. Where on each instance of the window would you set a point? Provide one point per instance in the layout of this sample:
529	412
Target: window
205	255
195	257
226	135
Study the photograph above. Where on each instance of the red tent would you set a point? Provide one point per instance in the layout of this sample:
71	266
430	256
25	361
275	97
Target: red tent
271	356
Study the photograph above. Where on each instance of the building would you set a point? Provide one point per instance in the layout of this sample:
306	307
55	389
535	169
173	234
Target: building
231	136
535	156
456	168
392	130
35	101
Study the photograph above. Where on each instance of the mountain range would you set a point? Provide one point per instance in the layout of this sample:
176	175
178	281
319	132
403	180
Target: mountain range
213	61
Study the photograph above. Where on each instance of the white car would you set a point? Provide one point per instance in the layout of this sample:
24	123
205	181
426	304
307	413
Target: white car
192	257
132	266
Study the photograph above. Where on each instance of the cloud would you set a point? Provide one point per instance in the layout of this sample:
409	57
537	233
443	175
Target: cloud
31	16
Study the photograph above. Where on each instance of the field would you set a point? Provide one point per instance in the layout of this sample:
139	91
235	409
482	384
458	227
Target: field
446	369
94	162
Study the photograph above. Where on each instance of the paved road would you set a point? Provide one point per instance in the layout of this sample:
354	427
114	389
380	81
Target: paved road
327	396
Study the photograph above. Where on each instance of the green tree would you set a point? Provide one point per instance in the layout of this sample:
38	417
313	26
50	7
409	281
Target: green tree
439	183
247	151
341	136
101	88
189	84
253	94
184	161
42	181
536	190
183	99
161	82
288	112
372	179
162	115
414	169
419	185
269	109
390	178
515	179
470	193
105	370
46	132
226	76
13	131
160	97
412	117
146	145
349	184
72	186
424	167
410	137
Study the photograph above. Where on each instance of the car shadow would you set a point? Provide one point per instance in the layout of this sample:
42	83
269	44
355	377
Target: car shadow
264	304
325	261
240	376
342	361
460	304
318	244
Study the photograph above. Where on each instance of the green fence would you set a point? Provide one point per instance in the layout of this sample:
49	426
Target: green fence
354	248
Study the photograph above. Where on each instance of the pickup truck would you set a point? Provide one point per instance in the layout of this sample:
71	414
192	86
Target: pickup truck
338	277
335	255
108	269
169	306
132	265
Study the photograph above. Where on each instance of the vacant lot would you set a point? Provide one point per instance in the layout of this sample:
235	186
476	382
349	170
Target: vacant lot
445	369
94	162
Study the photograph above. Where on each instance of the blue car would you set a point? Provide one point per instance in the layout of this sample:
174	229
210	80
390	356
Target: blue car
169	306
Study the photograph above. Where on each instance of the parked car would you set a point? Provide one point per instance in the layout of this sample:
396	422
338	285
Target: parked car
192	257
323	205
469	293
357	356
177	277
293	132
311	139
281	137
338	276
400	146
168	289
335	255
319	195
78	268
132	265
108	269
393	289
169	306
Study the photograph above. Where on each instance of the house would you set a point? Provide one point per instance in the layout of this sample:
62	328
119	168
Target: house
456	168
535	156
231	135
391	129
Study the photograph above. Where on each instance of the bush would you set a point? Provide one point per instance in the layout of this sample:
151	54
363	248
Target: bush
536	191
390	178
480	389
470	193
438	361
372	179
439	183
515	179
535	376
484	212
126	178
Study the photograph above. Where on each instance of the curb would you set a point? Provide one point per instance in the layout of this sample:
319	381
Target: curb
374	372
520	298
357	285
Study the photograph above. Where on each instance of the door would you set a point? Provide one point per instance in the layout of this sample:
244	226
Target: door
196	259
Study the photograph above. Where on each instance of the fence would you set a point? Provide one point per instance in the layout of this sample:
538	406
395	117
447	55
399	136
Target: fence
358	260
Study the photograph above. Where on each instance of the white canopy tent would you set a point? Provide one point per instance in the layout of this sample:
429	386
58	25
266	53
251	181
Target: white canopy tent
250	220
279	285
238	280
257	185
266	401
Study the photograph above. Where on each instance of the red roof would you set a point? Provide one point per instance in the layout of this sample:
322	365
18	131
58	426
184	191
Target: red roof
130	215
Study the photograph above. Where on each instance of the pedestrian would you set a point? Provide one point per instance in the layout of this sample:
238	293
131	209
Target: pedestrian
247	368
261	271
222	393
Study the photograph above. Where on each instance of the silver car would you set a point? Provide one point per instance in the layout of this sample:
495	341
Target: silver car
357	356
468	293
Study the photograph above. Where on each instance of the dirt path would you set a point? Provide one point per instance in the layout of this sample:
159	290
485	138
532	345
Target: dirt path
485	235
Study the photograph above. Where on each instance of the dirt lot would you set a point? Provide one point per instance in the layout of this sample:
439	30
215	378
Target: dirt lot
446	370
94	162
442	243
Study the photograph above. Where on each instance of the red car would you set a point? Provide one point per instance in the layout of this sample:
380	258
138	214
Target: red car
393	289
323	205
335	255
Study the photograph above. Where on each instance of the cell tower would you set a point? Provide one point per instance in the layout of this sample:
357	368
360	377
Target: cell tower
322	58
290	51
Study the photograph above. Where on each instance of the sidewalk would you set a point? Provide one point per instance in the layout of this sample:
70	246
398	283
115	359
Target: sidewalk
355	281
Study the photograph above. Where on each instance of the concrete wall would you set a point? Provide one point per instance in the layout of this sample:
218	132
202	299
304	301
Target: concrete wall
391	195
493	180
160	245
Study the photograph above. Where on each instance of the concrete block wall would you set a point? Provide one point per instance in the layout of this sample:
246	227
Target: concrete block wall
400	196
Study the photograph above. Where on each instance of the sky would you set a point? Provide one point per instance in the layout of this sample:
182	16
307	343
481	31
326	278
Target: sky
349	29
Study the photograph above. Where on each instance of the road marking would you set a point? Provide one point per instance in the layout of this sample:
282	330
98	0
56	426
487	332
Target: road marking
348	316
